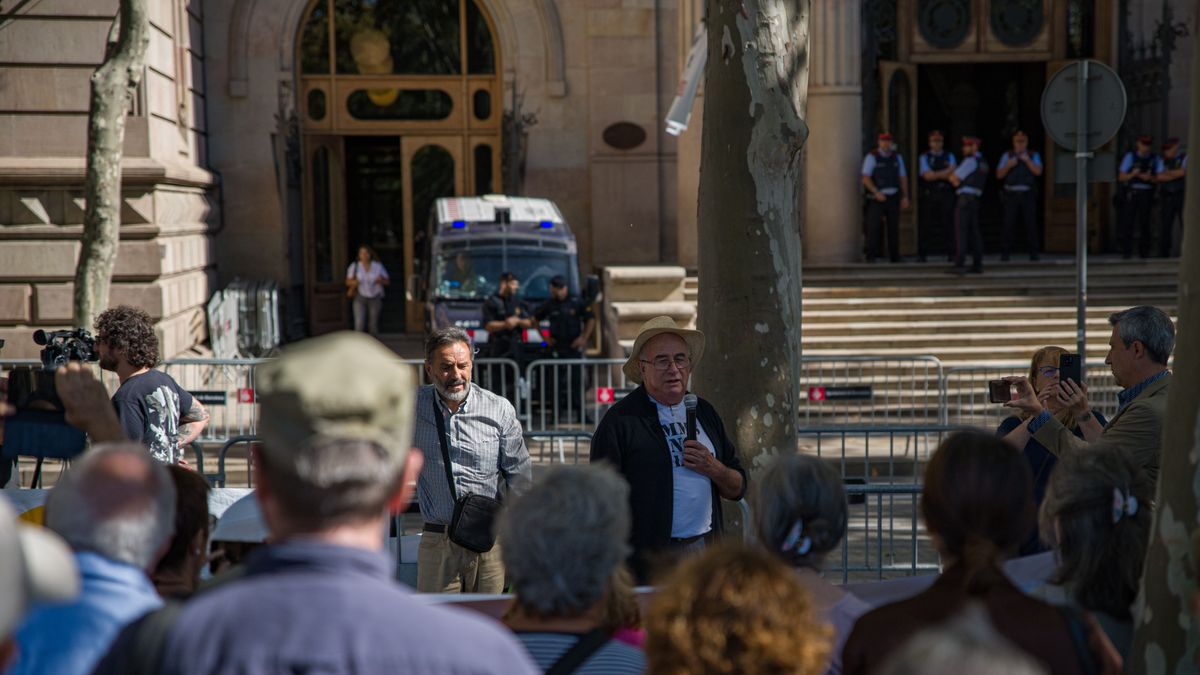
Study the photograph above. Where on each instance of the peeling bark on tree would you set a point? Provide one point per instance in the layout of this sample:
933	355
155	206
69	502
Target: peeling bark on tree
1166	638
754	108
112	89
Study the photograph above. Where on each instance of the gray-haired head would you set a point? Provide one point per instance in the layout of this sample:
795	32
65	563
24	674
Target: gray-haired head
446	336
563	539
800	509
1148	325
117	501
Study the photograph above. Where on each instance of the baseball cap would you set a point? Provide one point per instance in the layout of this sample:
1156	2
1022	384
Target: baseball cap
342	385
35	566
558	281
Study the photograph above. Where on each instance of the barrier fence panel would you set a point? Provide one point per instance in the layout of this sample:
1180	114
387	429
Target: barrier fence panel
967	397
499	376
572	393
871	390
226	388
873	453
558	447
228	467
885	535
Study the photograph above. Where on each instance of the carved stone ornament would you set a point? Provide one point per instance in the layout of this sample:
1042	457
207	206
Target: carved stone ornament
1017	22
944	23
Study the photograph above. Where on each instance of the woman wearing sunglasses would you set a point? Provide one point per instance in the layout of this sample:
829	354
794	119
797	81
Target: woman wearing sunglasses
1065	401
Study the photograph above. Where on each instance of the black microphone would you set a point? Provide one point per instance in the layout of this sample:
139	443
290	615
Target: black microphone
689	404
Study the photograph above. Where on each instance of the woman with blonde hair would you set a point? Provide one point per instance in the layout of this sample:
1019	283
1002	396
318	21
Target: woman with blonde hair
1071	408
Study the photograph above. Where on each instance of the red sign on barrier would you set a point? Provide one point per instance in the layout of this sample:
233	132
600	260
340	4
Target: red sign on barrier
245	396
816	393
605	395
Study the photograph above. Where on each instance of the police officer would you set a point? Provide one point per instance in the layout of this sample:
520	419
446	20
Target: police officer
886	182
505	316
937	195
1136	177
1171	172
1019	169
969	178
571	325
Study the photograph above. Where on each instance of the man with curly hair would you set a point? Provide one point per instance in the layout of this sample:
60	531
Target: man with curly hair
152	407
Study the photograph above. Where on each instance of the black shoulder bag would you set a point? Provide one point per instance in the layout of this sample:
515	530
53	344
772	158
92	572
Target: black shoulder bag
474	515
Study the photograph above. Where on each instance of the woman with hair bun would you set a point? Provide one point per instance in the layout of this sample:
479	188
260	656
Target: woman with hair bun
978	507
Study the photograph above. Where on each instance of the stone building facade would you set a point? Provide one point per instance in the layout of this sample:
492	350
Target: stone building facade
271	137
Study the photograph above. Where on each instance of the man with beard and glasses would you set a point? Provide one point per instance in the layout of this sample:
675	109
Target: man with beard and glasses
484	442
154	410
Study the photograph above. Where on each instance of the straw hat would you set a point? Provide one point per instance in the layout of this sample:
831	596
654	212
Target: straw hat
657	326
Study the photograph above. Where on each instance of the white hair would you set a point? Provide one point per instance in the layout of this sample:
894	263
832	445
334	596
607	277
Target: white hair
122	514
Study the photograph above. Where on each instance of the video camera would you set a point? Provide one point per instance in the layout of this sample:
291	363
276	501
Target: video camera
39	428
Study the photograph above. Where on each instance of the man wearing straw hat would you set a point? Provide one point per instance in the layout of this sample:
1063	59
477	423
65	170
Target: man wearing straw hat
676	478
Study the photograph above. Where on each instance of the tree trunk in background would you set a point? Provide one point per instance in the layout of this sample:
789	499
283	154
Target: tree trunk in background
749	224
1166	638
113	86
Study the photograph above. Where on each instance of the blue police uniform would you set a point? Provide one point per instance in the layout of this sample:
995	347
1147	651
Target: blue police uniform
973	172
1170	206
936	208
886	171
1020	203
1137	202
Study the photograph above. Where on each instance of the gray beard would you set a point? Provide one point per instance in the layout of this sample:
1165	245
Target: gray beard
457	397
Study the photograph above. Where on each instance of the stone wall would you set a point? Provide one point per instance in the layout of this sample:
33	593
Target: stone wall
164	263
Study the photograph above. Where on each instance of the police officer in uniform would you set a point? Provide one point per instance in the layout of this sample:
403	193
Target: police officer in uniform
1171	172
571	325
969	180
505	316
1136	178
1019	169
886	182
937	195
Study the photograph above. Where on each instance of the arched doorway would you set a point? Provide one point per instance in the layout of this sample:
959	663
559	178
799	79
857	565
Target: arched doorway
400	104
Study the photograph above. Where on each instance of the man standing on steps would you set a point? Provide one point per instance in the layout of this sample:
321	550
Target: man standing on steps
969	179
154	410
936	209
1171	173
1136	177
1019	169
886	183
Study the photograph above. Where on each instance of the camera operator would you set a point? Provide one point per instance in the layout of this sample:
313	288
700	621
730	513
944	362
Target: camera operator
152	407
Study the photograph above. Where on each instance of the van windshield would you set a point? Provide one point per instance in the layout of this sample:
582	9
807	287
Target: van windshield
475	274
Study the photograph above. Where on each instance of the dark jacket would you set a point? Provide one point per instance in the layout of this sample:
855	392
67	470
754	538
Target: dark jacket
631	439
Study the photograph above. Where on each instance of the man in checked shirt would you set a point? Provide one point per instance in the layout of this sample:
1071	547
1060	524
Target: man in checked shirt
486	449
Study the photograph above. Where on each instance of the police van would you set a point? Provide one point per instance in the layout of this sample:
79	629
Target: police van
470	241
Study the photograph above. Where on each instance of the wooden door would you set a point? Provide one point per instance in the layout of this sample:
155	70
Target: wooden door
899	116
434	166
325	233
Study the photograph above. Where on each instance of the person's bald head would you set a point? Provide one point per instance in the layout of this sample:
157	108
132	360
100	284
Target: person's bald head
117	501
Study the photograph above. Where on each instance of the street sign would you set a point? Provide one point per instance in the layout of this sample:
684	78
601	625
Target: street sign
1101	169
605	395
210	397
854	393
245	395
1104	110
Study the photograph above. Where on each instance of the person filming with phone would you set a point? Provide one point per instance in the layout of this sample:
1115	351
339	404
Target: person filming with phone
1140	347
1072	411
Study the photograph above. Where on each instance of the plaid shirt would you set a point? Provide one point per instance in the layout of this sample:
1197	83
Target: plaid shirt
486	445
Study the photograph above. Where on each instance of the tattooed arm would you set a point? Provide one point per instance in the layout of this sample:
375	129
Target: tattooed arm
192	423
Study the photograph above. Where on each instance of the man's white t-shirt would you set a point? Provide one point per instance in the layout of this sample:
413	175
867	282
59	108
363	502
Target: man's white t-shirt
692	513
368	278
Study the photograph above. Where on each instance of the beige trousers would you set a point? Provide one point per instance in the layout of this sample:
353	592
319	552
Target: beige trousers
446	567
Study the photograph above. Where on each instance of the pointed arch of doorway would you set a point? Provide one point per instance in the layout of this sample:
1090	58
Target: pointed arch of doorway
242	22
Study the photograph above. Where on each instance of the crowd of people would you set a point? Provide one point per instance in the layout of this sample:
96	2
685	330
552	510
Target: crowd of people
348	438
950	192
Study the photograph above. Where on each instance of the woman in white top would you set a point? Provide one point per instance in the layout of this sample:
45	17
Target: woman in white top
365	279
799	509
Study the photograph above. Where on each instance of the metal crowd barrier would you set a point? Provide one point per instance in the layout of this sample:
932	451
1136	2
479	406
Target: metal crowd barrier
871	453
871	390
885	535
572	393
968	400
220	478
558	447
499	376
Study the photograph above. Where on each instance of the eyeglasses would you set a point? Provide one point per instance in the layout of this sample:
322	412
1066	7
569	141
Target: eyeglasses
663	363
1048	371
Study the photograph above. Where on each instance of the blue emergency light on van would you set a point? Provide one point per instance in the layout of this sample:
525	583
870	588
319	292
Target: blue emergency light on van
459	224
547	224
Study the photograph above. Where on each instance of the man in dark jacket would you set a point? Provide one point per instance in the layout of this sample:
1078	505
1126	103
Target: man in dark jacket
676	483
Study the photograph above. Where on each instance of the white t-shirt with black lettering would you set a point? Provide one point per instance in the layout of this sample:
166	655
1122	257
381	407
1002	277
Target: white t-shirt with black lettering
692	512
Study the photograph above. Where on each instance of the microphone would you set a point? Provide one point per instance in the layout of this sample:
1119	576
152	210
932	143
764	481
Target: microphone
689	404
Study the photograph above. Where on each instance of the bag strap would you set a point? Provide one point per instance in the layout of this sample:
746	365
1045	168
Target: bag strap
580	652
441	427
1078	630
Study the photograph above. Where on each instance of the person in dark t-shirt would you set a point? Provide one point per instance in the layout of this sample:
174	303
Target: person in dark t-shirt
152	407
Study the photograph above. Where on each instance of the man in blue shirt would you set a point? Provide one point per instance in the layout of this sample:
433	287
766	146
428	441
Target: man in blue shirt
1136	178
334	462
1019	170
1170	172
969	180
886	182
936	208
116	509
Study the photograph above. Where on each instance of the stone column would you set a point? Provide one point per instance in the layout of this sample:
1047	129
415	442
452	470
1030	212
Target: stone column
832	206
